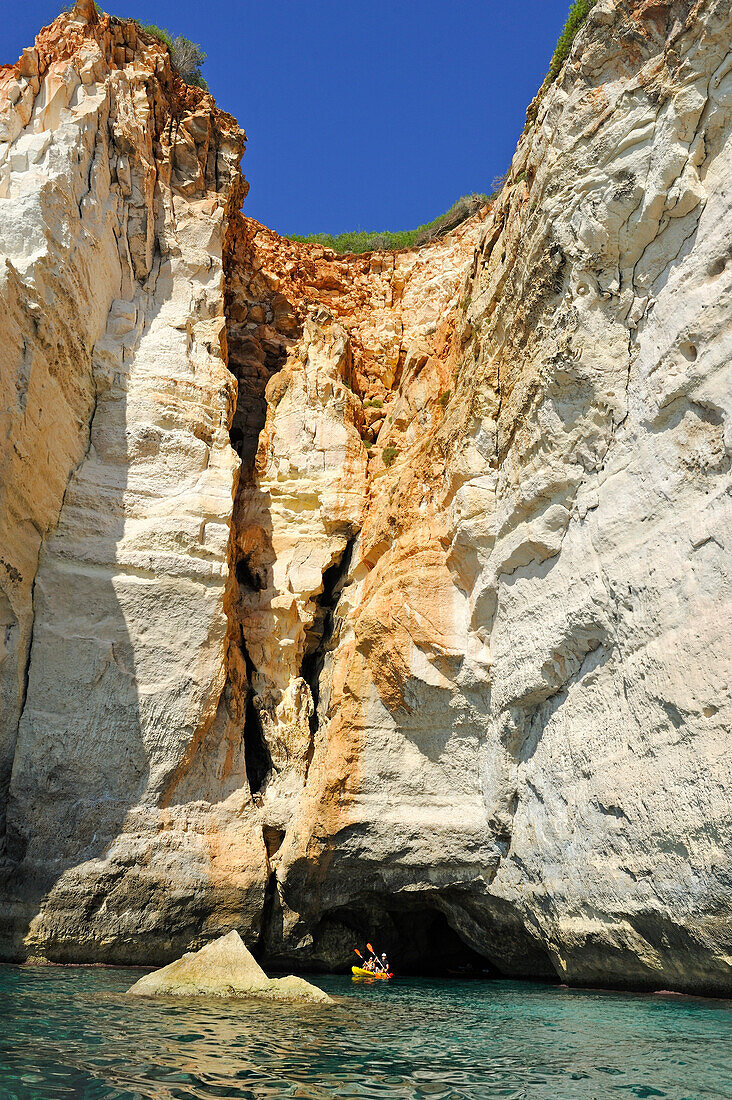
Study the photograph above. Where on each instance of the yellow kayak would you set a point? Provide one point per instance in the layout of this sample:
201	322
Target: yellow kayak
359	972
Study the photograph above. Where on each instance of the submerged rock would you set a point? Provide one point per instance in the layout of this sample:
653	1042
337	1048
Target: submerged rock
224	968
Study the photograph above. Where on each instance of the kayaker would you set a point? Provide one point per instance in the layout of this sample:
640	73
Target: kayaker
384	963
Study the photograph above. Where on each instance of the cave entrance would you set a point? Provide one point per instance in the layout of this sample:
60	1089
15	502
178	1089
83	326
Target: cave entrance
426	944
417	941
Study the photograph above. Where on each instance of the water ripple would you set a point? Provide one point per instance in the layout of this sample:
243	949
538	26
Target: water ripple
69	1032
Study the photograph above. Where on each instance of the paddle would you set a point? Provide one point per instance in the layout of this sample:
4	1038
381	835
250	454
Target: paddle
361	956
377	960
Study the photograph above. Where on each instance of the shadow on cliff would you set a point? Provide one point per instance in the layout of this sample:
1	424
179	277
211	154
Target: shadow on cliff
453	930
81	763
103	734
262	323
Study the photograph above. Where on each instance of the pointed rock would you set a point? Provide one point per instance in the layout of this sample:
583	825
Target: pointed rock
86	10
224	968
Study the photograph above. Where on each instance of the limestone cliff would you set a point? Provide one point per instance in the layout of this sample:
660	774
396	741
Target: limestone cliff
450	656
117	181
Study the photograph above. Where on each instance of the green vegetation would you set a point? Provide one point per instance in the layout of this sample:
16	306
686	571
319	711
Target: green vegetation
577	14
443	398
389	454
156	32
187	56
373	403
366	241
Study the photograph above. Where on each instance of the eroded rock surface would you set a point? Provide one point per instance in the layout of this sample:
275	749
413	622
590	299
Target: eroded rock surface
118	478
452	665
224	968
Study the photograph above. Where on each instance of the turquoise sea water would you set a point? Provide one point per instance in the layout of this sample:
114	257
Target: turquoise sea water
69	1032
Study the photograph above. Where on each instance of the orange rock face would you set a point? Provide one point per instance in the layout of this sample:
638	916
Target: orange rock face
345	367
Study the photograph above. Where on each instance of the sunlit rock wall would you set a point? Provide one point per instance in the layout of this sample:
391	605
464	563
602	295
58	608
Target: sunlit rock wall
524	708
118	480
447	665
594	549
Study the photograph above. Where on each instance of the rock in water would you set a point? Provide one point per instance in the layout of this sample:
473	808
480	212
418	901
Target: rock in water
224	968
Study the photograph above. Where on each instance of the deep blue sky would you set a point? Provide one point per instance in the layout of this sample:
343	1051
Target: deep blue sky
360	114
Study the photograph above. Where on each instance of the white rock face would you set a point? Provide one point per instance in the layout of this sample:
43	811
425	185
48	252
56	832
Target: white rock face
48	170
529	702
602	580
119	464
455	666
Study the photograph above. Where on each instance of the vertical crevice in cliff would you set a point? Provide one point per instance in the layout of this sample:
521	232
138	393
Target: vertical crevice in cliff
322	631
268	909
26	668
256	754
261	325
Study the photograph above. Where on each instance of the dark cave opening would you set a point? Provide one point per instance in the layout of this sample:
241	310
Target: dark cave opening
247	578
256	753
426	944
417	941
268	908
253	362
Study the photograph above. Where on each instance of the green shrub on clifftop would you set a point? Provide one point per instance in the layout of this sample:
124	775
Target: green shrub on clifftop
577	14
155	32
371	241
187	56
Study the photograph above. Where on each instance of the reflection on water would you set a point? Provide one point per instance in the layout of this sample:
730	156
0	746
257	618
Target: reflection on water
69	1032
